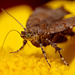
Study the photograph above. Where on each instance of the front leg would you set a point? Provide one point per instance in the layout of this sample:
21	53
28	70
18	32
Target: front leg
57	49
44	54
24	43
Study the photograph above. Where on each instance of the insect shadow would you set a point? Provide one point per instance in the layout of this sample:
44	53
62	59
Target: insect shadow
46	27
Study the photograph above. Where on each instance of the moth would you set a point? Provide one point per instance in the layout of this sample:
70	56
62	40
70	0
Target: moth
47	27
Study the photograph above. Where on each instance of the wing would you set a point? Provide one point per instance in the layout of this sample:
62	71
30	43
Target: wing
41	14
61	25
50	28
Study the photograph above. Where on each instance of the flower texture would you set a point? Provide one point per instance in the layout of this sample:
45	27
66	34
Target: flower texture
30	60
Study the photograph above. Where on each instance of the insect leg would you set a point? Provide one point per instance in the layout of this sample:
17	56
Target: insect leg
24	43
44	54
57	49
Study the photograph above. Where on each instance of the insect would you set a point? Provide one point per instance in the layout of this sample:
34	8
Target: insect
47	27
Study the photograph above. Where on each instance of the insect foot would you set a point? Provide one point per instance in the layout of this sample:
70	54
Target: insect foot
57	49
24	43
63	58
44	54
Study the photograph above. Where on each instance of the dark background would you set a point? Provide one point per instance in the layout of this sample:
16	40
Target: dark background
33	3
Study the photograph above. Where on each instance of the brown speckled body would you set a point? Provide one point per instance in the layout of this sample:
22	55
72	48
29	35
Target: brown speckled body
49	23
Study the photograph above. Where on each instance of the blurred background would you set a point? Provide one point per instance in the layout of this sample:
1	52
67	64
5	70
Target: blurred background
33	3
30	53
11	3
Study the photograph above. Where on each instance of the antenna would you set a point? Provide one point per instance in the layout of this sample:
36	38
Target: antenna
13	17
7	35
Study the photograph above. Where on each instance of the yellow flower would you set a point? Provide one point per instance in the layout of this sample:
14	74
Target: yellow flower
30	60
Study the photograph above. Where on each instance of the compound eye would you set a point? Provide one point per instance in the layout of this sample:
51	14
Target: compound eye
28	35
